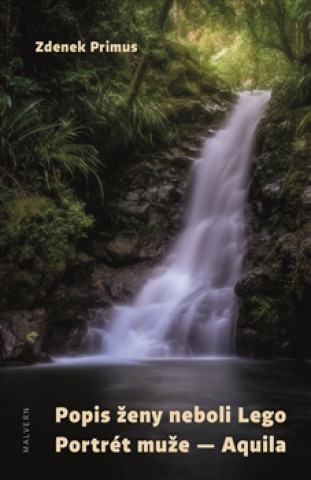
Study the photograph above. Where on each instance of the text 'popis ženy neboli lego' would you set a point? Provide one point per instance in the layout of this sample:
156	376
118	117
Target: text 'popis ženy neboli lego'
117	443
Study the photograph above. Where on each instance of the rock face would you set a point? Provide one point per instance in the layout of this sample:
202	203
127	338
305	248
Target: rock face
144	209
275	291
31	335
21	335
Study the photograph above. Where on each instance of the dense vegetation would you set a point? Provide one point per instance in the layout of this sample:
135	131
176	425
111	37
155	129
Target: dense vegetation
70	121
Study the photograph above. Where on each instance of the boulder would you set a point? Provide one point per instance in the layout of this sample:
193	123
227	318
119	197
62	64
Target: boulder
21	335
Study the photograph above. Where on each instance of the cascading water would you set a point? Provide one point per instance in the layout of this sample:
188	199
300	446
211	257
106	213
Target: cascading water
188	306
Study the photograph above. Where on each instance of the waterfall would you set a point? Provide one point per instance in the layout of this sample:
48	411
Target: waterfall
188	305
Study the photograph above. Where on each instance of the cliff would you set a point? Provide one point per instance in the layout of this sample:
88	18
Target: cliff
275	291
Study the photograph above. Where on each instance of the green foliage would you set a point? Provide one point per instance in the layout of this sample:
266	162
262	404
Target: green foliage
261	310
295	90
140	124
245	65
63	116
146	120
33	147
126	225
249	44
304	124
39	222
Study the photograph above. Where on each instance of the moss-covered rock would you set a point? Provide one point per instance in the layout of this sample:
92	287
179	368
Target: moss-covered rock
123	249
181	74
21	335
183	110
38	236
184	85
275	291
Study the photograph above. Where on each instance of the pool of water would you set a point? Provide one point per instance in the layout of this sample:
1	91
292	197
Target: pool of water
162	386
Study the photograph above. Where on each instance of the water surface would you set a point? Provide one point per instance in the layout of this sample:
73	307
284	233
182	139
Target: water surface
161	385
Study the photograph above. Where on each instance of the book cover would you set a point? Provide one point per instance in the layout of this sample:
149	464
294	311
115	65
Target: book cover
155	240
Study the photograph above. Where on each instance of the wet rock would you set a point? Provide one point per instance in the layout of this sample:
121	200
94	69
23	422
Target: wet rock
257	281
123	250
153	246
79	268
122	284
186	110
67	339
68	313
253	343
274	313
134	209
271	190
150	195
144	217
21	335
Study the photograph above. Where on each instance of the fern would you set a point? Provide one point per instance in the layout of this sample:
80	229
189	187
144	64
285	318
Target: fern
31	145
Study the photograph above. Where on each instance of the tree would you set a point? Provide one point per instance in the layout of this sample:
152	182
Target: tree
143	64
277	24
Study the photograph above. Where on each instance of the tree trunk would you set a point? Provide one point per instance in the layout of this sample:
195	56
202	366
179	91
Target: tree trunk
144	61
